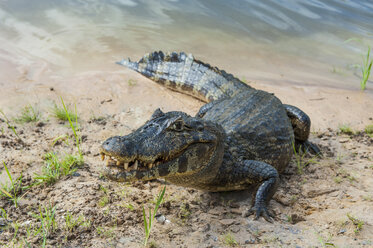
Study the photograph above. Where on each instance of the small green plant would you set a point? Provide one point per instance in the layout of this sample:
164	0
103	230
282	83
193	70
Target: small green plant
339	158
71	222
103	201
64	138
338	179
70	116
369	130
184	212
132	82
47	218
338	70
56	168
62	113
289	218
365	69
10	125
28	114
293	199
367	198
346	129
105	232
357	223
15	226
366	65
148	224
325	244
15	188
4	215
300	159
229	240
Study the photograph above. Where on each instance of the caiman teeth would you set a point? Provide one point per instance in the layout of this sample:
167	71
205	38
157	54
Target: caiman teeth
135	165
132	165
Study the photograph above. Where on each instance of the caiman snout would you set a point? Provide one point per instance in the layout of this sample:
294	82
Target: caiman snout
118	146
109	143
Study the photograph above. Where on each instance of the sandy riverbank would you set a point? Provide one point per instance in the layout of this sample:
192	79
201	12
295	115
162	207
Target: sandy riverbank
311	205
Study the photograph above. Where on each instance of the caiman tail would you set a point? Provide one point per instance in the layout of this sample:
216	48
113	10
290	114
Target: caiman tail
183	73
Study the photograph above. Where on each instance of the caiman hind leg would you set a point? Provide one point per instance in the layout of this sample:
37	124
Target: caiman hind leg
301	123
252	173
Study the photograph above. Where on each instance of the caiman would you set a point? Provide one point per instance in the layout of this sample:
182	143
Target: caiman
242	137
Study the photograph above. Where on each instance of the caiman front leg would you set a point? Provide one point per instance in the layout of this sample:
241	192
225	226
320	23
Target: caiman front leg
301	123
248	174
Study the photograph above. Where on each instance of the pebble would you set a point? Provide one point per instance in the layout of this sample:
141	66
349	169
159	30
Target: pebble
235	229
344	140
28	222
236	211
227	222
250	241
161	218
79	186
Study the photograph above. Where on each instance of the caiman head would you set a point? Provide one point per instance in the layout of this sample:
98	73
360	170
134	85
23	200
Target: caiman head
172	145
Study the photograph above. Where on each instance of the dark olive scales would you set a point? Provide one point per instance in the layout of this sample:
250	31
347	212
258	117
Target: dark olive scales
241	137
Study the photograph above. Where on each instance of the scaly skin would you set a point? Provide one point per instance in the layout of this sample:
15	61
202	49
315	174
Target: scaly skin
241	137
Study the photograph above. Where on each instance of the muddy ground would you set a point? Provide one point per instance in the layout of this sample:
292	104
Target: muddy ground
321	202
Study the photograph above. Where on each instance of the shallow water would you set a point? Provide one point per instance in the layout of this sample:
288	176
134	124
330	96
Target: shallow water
257	40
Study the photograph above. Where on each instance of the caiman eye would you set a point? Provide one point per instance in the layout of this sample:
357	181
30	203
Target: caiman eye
177	126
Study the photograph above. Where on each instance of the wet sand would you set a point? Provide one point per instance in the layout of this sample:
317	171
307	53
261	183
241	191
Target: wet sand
310	90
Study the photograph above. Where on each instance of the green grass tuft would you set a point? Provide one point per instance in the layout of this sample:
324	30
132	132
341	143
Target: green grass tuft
346	129
10	125
12	191
366	65
369	130
28	114
357	223
56	168
73	127
132	82
229	240
63	113
72	222
47	219
365	69
301	161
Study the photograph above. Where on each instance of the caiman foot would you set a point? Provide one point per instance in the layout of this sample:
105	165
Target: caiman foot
261	210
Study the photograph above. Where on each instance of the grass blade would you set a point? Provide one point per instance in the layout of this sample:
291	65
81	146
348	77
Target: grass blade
7	171
145	222
72	125
7	193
